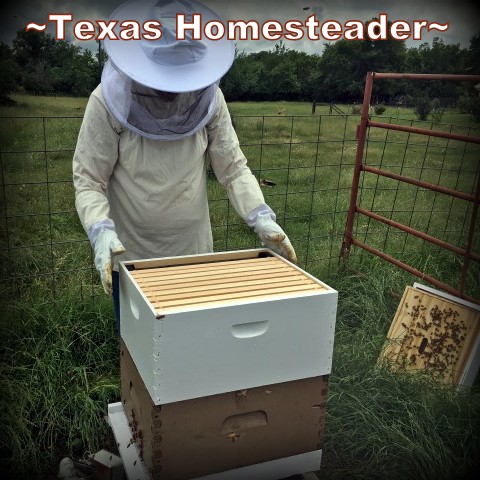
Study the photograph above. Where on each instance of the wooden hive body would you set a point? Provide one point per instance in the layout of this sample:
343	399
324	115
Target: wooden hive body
208	324
224	432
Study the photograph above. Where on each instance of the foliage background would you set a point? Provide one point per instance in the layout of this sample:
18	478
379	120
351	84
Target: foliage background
36	63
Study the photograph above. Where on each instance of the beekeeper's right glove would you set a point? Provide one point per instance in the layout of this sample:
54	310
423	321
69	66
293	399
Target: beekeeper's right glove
105	243
263	221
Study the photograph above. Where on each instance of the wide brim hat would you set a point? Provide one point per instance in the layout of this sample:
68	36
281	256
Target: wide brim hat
167	63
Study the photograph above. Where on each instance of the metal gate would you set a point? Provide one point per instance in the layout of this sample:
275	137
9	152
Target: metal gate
361	167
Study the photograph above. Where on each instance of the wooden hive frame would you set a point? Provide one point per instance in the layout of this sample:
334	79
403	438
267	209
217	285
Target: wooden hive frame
433	333
205	284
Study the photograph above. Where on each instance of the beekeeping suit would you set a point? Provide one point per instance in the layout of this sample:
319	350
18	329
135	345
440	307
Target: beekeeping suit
139	166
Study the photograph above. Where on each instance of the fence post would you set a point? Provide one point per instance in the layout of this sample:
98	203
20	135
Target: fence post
361	136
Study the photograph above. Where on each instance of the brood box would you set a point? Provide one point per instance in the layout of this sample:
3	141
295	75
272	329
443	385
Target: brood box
207	324
225	432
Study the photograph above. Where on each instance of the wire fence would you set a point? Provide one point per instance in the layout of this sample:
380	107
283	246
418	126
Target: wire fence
444	220
439	189
303	163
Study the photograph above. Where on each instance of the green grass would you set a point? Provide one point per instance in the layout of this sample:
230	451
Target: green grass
383	425
45	106
58	355
58	371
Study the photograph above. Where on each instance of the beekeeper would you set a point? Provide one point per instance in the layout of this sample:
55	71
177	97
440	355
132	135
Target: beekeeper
140	164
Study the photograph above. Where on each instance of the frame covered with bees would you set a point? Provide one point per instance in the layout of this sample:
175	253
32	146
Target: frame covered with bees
435	333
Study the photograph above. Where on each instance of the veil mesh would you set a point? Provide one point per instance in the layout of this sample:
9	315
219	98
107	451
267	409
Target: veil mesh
154	114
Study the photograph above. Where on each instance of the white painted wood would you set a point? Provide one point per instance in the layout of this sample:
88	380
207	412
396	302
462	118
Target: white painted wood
273	470
134	467
309	476
472	367
214	349
447	296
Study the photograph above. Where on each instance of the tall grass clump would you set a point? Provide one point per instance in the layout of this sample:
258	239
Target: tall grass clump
384	425
58	372
423	108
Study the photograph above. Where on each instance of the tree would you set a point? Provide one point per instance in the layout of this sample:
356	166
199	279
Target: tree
283	81
266	75
472	56
54	66
34	52
38	79
11	74
344	66
32	47
75	71
241	81
338	74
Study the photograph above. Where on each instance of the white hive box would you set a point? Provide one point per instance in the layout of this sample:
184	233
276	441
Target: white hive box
207	324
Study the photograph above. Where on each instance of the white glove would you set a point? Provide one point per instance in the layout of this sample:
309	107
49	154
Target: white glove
105	243
270	233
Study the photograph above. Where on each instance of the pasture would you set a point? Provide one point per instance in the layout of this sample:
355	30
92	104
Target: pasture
59	352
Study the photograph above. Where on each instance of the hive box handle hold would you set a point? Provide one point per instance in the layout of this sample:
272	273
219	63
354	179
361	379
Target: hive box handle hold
134	309
245	421
249	330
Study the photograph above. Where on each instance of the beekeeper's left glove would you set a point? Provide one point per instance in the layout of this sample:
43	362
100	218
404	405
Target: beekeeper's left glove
105	244
262	219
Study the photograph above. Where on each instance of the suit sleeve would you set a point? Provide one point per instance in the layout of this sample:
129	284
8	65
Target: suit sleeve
94	159
229	163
